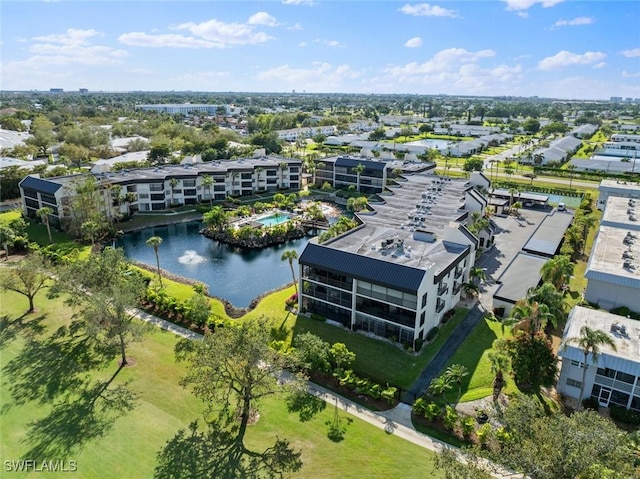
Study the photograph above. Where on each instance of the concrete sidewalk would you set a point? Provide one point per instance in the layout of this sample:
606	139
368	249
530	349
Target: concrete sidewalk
396	421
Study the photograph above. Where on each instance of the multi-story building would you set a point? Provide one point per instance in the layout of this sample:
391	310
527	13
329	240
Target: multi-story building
184	108
620	188
613	378
613	270
159	187
403	268
341	172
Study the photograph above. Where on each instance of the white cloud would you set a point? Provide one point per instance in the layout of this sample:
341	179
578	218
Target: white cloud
516	5
210	34
626	74
600	65
427	10
295	26
226	33
72	36
167	40
321	76
453	69
565	58
631	53
414	42
575	22
298	2
262	18
523	14
329	43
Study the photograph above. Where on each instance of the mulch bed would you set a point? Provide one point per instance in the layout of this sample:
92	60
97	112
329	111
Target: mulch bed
331	383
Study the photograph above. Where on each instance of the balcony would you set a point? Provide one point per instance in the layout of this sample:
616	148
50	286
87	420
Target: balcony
457	273
457	287
442	289
440	306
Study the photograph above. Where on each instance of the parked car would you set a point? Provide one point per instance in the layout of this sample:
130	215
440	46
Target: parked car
561	207
528	204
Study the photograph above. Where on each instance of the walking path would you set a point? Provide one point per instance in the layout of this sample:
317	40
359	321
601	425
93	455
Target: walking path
396	421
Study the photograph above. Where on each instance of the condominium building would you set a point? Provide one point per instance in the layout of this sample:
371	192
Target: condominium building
184	108
343	172
613	270
157	188
613	378
403	267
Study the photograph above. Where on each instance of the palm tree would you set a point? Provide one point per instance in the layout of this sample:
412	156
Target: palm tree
283	165
531	317
155	242
499	365
479	274
90	229
7	238
557	271
44	213
290	255
258	171
571	169
207	182
538	158
234	175
321	165
173	182
457	372
590	341
358	170
441	385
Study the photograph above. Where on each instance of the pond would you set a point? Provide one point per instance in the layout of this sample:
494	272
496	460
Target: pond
440	144
236	275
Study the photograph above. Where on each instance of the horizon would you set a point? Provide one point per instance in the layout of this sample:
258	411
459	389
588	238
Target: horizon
550	49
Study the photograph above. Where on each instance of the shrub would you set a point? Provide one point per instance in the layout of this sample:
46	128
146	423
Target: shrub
318	317
468	424
483	433
432	411
450	418
626	416
389	394
433	332
590	403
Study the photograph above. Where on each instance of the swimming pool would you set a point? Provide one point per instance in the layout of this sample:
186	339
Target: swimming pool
274	219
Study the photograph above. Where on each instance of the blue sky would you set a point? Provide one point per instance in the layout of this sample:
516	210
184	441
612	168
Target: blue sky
550	48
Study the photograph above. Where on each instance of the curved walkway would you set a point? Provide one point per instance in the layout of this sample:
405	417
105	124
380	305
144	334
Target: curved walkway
395	421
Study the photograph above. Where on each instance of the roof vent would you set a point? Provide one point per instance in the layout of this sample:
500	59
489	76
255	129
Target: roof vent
614	328
627	264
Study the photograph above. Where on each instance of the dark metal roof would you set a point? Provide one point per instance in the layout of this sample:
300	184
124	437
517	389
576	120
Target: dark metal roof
547	237
522	273
38	184
353	162
386	273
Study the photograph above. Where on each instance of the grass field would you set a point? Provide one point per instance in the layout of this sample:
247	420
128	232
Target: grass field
50	378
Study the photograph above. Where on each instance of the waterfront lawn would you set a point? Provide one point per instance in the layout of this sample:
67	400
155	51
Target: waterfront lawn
379	360
43	415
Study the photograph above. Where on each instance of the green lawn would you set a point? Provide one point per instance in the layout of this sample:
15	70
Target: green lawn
473	354
380	360
37	422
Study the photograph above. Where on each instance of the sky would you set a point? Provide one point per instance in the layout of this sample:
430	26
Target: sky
569	49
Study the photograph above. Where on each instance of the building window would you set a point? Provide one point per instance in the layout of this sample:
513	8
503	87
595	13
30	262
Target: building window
424	300
188	183
573	383
577	364
422	318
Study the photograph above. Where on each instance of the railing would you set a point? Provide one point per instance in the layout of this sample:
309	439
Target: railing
329	281
443	289
458	273
457	287
612	383
440	306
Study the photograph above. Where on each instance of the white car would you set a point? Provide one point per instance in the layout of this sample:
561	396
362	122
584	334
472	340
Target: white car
561	207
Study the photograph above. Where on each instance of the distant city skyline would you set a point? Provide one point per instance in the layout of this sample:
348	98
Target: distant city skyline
548	48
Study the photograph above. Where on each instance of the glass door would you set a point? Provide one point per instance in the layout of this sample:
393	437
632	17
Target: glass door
603	398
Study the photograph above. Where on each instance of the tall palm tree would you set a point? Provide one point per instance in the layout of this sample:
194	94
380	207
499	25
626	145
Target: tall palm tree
207	182
321	165
283	165
290	255
590	341
155	242
358	170
173	182
499	361
43	213
477	274
531	317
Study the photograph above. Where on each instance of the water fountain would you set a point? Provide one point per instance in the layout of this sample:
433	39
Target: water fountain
191	257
